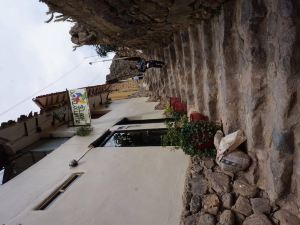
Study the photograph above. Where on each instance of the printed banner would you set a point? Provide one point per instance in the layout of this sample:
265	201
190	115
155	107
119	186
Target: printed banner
80	107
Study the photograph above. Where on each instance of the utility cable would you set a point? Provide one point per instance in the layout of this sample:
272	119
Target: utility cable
93	56
106	60
44	88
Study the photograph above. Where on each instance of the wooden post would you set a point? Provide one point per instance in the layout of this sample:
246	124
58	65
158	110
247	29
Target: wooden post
70	108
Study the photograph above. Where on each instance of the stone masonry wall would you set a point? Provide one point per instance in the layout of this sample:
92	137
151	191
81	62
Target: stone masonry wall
242	67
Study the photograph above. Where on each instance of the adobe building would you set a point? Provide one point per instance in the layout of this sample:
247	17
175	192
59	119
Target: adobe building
30	138
111	184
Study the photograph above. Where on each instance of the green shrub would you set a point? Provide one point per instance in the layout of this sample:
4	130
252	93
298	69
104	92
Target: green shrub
172	136
197	138
194	138
173	124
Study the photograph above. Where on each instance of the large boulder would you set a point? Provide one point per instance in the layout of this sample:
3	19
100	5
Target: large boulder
235	161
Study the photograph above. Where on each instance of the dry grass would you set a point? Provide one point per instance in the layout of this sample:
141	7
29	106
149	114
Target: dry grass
117	95
125	89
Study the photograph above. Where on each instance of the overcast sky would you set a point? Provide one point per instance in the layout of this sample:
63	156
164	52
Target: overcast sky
34	54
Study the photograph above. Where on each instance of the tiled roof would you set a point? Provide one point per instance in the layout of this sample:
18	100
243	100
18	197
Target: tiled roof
57	99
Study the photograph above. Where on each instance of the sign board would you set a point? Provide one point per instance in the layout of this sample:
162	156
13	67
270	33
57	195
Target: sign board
80	107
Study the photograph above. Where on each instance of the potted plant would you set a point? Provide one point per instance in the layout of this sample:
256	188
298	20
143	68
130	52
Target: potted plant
180	107
177	105
196	116
195	138
173	100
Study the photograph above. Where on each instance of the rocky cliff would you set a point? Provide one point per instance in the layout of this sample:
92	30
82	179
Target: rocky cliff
131	23
121	69
239	63
242	67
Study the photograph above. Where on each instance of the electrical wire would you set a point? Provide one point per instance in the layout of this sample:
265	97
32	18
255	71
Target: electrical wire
112	59
93	56
44	88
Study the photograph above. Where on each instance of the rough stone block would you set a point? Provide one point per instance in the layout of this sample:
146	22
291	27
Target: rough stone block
227	218
242	206
286	218
227	200
219	182
211	203
257	219
199	186
242	187
206	219
195	204
260	205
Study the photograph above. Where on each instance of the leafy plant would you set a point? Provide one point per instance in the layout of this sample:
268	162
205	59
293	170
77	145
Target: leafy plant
170	113
197	138
194	138
172	136
173	124
84	130
168	110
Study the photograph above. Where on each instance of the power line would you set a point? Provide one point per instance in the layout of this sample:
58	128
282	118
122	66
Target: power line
93	56
44	88
112	59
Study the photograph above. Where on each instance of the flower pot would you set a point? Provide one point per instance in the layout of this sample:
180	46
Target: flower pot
173	100
180	107
196	116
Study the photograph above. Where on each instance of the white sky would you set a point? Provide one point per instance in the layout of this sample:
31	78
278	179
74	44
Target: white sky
33	54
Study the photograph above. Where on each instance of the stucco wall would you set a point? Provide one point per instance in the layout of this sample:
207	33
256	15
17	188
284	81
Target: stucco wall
124	185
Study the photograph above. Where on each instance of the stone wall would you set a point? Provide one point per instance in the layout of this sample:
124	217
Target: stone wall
242	67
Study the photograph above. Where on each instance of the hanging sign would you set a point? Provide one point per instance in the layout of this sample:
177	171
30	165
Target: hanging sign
80	107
